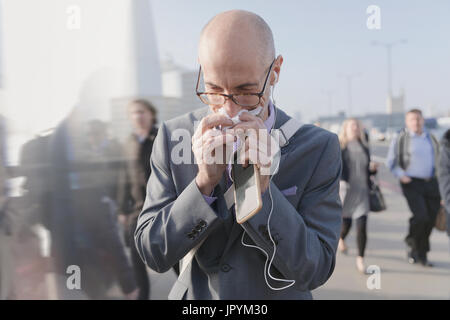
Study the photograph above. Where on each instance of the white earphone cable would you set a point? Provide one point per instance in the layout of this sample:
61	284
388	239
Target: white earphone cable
267	267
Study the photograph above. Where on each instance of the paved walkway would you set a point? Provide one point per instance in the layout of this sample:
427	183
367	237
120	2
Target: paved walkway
386	250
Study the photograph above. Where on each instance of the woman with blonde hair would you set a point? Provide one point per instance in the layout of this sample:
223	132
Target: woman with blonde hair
356	172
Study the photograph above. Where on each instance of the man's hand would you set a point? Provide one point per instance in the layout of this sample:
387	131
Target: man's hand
210	148
259	147
373	166
405	180
122	219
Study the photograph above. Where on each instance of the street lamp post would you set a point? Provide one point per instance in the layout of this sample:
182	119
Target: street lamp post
349	77
389	46
329	95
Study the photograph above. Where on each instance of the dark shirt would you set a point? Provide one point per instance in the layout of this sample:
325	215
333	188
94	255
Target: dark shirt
136	174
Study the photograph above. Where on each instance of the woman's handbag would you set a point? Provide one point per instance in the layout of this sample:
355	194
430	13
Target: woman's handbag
376	198
441	220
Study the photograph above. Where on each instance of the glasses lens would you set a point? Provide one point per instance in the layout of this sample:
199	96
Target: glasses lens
213	99
247	100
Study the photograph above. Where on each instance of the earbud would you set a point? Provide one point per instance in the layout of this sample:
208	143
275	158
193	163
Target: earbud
273	87
276	79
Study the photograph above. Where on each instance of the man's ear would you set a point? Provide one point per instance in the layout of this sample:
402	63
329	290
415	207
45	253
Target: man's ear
274	78
277	69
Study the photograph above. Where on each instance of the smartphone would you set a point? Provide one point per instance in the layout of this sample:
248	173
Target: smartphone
247	191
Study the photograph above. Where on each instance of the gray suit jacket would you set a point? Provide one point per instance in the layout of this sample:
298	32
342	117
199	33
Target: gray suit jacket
305	225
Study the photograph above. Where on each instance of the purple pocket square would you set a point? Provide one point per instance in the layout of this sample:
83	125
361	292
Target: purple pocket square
289	191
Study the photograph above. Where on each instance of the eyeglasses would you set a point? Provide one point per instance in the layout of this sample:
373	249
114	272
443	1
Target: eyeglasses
247	100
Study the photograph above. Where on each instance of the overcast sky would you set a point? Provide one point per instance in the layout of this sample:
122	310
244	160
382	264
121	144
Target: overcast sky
321	39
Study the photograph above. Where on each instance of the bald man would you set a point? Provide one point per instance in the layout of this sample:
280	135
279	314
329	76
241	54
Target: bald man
186	212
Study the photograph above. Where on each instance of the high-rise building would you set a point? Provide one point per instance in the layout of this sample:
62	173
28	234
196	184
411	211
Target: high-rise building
178	97
84	53
91	56
177	81
396	104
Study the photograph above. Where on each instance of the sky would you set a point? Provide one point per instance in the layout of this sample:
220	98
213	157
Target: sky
62	55
51	64
322	41
47	65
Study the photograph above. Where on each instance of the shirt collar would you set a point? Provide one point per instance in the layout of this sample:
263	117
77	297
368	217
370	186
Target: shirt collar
271	118
422	135
140	138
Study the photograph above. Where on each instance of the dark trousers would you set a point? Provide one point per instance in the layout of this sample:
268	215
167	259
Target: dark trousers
424	201
361	232
139	267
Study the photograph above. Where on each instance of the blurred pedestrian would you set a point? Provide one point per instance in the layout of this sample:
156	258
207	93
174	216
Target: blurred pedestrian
357	170
413	156
72	175
6	265
95	203
444	175
138	148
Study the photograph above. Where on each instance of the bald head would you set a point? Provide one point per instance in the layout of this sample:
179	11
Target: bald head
237	32
237	55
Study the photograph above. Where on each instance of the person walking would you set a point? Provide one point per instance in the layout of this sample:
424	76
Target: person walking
357	170
138	149
412	158
71	179
6	223
444	175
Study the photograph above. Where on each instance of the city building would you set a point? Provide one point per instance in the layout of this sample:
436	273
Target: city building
85	54
375	122
395	104
178	97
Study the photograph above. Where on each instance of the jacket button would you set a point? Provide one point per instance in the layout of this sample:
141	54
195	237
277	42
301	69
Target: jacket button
191	235
225	268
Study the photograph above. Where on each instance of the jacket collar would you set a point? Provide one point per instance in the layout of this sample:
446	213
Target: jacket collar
281	118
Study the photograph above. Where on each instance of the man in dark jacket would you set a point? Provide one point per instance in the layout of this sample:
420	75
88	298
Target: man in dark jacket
444	175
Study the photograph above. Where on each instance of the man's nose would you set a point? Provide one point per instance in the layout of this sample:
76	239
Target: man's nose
231	108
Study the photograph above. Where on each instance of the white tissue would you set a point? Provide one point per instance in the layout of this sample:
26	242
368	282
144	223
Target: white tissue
236	119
